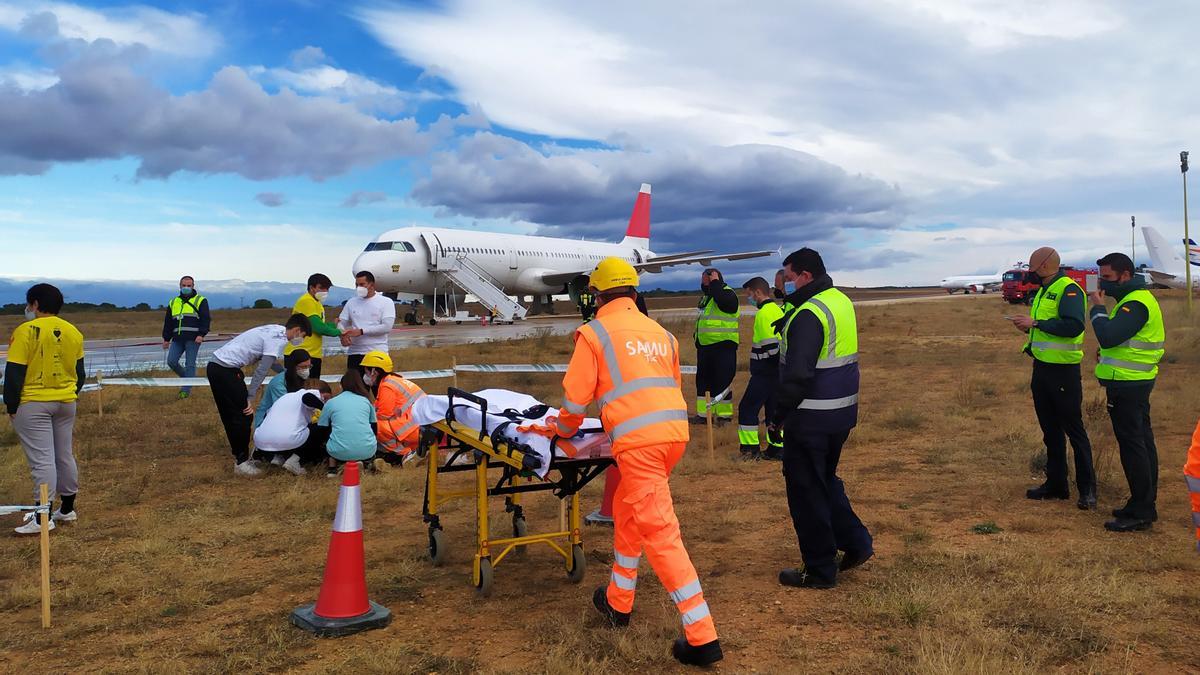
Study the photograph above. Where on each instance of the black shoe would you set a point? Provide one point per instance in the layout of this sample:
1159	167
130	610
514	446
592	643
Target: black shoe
611	616
1128	525
773	454
750	453
802	579
853	559
1087	500
1123	513
704	655
1045	492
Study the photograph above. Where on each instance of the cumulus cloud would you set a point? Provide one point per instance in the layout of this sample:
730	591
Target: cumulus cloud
309	72
364	197
184	35
271	199
730	199
102	108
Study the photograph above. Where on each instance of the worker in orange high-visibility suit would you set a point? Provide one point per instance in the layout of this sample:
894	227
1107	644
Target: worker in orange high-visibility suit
1191	472
397	433
629	364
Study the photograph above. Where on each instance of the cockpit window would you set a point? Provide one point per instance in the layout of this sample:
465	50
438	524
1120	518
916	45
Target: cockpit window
403	246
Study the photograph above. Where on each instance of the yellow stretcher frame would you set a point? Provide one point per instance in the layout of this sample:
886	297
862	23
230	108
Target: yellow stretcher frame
516	478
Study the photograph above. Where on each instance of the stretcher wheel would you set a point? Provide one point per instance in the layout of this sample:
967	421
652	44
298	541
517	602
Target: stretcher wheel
578	564
484	585
520	529
437	547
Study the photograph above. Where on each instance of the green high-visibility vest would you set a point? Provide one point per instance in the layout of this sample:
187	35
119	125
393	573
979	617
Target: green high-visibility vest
713	325
835	385
1137	358
182	310
766	339
1053	348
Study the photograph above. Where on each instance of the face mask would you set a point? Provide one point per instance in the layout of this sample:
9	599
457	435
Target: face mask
297	341
1111	288
369	378
30	315
303	372
321	295
186	291
361	291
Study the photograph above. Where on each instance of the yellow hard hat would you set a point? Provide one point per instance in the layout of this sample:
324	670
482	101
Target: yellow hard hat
377	360
613	273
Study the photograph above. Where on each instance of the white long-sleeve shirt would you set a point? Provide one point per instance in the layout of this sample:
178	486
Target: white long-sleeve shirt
375	315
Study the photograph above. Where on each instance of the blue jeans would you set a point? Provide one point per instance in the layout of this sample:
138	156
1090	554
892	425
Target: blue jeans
180	348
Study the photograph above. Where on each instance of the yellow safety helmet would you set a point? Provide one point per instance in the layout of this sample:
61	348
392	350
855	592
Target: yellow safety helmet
377	360
613	273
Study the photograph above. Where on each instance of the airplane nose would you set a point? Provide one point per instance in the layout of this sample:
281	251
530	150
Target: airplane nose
381	264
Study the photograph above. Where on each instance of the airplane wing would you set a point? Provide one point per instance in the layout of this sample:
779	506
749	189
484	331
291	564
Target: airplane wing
1160	277
656	265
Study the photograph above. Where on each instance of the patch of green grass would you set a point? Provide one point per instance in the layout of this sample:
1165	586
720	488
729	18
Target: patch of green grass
988	527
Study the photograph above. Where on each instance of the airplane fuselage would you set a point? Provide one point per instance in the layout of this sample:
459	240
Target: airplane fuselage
408	260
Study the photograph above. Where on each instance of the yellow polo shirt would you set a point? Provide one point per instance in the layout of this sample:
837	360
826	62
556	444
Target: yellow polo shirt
309	306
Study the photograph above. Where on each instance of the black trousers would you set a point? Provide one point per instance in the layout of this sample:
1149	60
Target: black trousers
1129	410
313	450
1058	402
821	513
758	397
315	373
715	367
229	392
354	360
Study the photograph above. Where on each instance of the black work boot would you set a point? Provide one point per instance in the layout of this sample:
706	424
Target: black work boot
853	559
750	453
802	579
1127	524
1044	491
611	616
704	655
1087	499
773	453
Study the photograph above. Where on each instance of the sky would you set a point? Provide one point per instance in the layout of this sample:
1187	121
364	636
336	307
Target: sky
906	140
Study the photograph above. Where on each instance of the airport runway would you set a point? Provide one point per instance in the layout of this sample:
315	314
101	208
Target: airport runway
139	355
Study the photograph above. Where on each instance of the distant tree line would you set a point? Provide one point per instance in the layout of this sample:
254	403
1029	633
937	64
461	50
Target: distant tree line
19	308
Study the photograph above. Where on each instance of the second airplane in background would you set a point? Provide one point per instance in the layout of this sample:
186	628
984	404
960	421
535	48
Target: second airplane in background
493	266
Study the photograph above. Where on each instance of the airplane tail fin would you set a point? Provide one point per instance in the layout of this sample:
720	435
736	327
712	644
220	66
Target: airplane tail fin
1161	255
638	233
1193	253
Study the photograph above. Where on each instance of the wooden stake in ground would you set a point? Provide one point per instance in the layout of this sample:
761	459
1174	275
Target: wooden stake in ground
100	392
708	404
45	522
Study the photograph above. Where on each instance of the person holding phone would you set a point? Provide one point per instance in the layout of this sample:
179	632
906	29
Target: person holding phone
1055	327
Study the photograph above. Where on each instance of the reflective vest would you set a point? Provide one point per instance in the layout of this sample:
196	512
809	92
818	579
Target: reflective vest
1137	358
186	314
1191	473
713	325
832	397
629	364
1053	348
764	355
396	430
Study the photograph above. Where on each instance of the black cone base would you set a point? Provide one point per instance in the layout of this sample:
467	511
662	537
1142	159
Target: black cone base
304	617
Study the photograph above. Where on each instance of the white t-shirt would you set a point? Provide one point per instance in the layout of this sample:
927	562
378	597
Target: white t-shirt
375	315
286	424
251	346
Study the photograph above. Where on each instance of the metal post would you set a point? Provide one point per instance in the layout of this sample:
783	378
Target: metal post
44	517
1187	260
1133	240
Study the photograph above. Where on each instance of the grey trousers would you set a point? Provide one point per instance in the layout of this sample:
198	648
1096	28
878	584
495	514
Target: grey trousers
45	430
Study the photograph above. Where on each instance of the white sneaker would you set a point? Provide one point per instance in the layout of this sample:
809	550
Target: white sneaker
247	468
278	459
596	518
292	465
59	517
31	525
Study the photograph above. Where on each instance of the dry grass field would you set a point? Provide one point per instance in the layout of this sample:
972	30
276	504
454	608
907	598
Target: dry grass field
176	565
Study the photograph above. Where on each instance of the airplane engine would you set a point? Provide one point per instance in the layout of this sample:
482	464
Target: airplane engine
530	281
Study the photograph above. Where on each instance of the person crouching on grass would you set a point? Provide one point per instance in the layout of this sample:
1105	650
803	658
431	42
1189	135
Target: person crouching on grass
297	366
289	431
351	418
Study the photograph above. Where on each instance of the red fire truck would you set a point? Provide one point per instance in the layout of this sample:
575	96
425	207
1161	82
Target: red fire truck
1016	289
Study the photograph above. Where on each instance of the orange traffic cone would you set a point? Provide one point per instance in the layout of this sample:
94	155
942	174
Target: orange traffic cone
342	607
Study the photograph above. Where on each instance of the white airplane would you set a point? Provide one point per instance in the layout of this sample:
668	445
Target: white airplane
979	283
1168	269
492	266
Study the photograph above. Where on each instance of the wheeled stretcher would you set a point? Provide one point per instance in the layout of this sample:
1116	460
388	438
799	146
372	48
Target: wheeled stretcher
473	438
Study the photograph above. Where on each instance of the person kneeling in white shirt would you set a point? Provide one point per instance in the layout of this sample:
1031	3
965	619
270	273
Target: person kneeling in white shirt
289	431
366	320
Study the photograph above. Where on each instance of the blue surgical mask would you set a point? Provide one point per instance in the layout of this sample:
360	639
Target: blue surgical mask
186	291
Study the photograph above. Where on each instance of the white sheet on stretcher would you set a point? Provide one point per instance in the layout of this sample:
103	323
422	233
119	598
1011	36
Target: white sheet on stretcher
432	409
